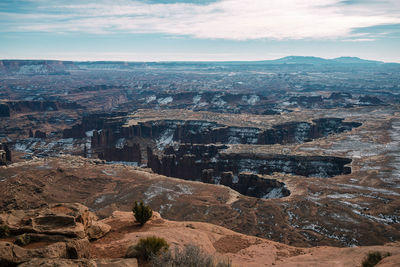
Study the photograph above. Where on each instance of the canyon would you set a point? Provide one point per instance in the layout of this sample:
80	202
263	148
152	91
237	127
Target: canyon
267	162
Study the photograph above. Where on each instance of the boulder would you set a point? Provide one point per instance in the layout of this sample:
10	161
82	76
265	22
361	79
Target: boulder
58	263
78	249
116	262
68	219
80	263
11	254
97	230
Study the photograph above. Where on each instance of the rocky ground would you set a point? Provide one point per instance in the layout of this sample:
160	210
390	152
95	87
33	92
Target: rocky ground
68	234
307	217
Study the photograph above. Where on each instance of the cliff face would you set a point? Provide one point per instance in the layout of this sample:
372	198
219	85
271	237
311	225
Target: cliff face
299	132
308	166
205	132
5	154
10	107
103	142
40	134
164	132
130	153
200	163
190	163
190	168
96	121
110	135
240	171
24	106
4	110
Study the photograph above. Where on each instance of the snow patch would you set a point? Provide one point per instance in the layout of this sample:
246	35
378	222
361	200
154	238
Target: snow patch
274	193
150	99
109	172
166	138
196	99
164	101
120	143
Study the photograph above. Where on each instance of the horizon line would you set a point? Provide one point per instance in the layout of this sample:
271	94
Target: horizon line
179	60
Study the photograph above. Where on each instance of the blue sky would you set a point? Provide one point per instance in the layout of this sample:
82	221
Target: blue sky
165	30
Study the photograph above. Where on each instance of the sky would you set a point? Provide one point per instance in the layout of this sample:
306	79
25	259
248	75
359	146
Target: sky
196	30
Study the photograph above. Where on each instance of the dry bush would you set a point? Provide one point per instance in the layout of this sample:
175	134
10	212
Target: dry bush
189	256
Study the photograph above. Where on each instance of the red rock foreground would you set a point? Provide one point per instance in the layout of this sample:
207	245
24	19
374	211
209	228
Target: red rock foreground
70	235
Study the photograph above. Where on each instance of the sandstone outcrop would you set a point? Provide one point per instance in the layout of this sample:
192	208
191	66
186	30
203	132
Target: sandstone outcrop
57	231
97	230
80	263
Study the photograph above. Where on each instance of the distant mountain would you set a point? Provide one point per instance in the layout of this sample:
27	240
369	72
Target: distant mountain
320	61
355	60
300	60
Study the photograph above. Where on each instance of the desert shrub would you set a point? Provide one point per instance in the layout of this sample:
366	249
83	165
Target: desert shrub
147	248
189	256
22	240
142	212
4	231
373	258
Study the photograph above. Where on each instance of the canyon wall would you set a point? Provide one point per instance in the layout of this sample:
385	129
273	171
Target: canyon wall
110	135
14	107
189	162
202	165
5	154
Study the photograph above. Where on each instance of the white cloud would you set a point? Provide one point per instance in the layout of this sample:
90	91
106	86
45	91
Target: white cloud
360	40
225	19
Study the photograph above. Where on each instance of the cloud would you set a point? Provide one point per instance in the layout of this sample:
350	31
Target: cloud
224	19
360	40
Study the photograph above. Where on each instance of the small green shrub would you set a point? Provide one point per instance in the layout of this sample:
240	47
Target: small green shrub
142	212
373	258
189	256
4	231
22	240
147	248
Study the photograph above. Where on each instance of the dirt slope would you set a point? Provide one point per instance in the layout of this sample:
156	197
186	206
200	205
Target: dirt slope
242	250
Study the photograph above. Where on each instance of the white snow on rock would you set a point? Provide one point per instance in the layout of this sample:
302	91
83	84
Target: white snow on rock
251	99
217	101
164	101
171	191
120	143
274	193
337	195
109	172
196	99
100	199
150	99
372	189
89	133
165	139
